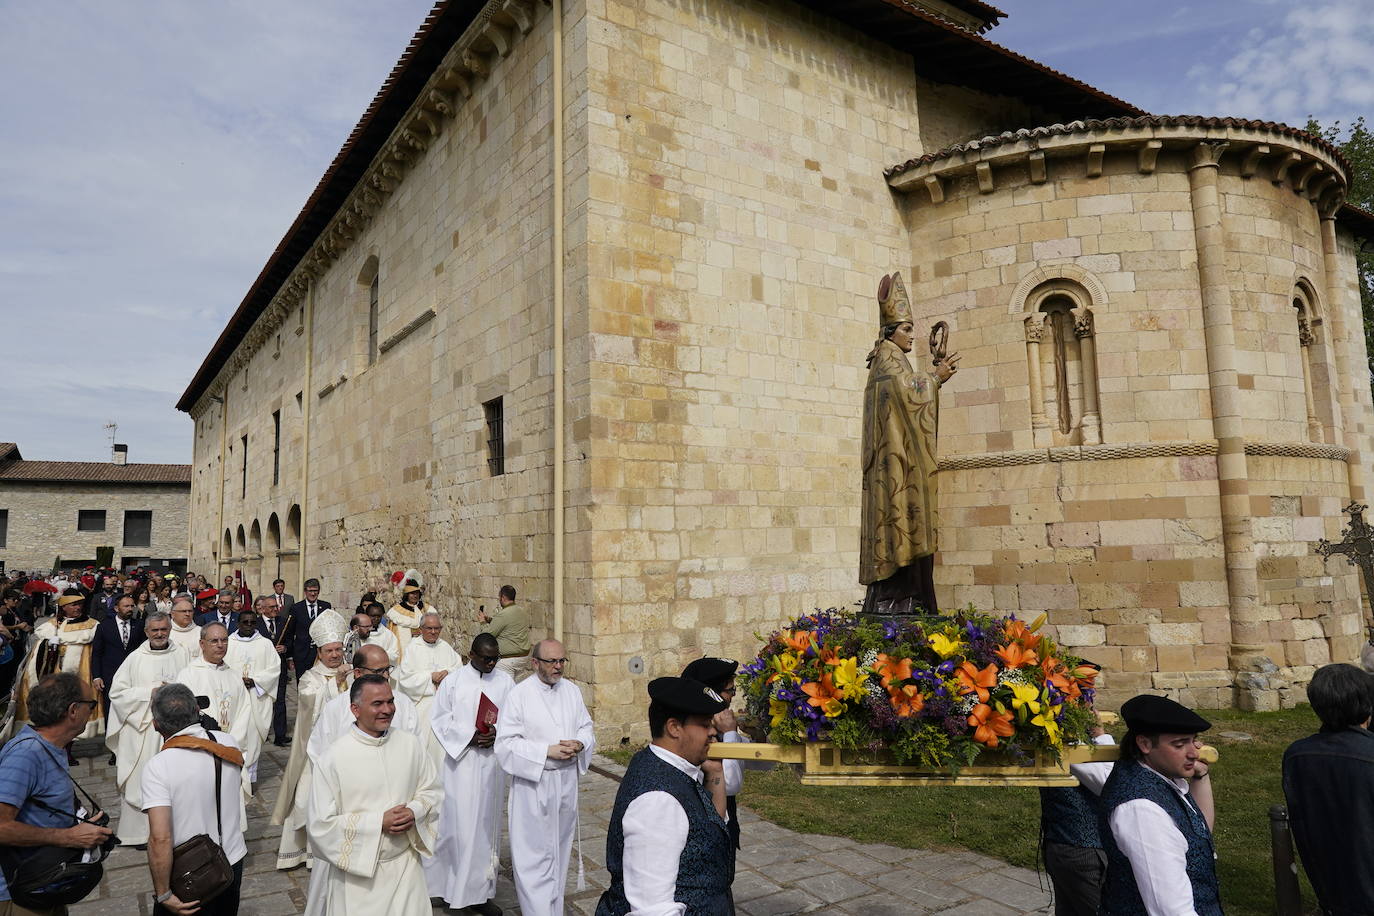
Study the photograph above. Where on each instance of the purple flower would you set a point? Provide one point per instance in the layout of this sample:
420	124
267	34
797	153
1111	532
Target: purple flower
891	629
946	667
955	725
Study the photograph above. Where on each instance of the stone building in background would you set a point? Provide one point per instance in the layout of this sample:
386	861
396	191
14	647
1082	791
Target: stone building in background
615	356
68	510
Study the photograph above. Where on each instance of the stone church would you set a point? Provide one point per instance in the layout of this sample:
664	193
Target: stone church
582	306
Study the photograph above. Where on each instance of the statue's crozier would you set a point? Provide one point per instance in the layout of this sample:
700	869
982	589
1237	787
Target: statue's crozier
897	539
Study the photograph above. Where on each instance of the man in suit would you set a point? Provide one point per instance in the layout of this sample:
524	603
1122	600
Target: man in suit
116	637
303	613
276	626
281	597
102	602
223	612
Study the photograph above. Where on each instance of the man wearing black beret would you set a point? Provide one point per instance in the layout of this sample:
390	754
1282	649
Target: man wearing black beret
667	848
719	675
1156	815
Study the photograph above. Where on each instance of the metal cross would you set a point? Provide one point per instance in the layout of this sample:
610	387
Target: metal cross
1357	546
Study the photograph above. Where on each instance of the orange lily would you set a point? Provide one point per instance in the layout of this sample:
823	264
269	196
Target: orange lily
829	656
1018	632
989	725
1017	657
1086	675
975	681
798	640
892	670
1057	674
907	701
824	696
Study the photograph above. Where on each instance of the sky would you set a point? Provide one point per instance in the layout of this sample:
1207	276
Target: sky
153	152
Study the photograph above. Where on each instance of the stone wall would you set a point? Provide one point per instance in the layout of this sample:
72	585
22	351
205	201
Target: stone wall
42	522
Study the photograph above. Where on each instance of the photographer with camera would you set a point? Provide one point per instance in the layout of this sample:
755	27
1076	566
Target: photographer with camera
42	829
191	797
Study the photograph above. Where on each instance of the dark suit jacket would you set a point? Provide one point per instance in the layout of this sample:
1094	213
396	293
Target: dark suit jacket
303	650
288	601
213	617
108	650
285	627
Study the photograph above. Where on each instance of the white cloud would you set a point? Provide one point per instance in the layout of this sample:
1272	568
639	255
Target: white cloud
1315	59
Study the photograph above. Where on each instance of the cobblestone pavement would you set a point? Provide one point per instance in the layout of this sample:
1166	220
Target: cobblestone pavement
780	872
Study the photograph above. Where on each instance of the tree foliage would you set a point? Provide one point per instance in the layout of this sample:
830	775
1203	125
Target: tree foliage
1357	145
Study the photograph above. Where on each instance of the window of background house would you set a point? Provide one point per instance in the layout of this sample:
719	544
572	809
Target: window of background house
496	437
138	528
90	520
4	526
244	493
373	322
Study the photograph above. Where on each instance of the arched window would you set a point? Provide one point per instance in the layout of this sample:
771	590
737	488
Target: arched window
228	545
293	528
1061	363
273	533
255	538
1316	369
240	543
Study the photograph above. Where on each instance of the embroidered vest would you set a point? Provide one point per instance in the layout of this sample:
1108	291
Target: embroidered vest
1069	816
1121	895
706	867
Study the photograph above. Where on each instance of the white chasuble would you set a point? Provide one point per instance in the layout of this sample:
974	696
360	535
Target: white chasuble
416	677
317	687
188	638
383	639
130	734
543	793
229	706
463	869
358	780
335	719
255	657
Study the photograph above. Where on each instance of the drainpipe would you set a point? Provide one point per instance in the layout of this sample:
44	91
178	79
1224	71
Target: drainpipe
558	418
223	469
307	398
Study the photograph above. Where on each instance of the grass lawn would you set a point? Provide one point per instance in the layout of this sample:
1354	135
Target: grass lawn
1005	823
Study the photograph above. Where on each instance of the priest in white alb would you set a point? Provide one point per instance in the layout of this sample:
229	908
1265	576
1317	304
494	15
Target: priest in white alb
316	687
130	734
335	721
544	740
185	630
374	804
367	633
208	676
424	665
253	655
463	869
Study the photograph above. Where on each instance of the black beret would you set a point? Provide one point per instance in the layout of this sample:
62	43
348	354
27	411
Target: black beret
711	670
1152	714
684	695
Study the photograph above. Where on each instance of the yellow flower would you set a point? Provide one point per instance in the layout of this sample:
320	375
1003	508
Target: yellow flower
1046	721
778	710
784	665
1025	699
943	645
846	675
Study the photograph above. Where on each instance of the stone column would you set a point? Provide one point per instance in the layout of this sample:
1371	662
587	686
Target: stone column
1040	424
1087	356
1305	340
1253	691
1341	346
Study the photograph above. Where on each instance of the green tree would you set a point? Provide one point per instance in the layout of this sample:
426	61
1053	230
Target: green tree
1357	145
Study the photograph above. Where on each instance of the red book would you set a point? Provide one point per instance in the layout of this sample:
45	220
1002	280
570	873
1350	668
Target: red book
486	715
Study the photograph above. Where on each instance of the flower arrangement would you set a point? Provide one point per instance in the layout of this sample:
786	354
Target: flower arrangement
936	692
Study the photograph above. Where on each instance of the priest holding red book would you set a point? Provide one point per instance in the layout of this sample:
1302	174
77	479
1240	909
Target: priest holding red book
462	870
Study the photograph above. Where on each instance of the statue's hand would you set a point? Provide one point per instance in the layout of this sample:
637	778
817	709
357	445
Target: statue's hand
947	367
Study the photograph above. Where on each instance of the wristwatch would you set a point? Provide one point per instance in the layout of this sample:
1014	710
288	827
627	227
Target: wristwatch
164	896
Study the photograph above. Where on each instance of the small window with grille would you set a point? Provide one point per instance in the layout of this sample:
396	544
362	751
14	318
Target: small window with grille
496	437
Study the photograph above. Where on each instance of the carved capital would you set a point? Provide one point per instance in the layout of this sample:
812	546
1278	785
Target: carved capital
1207	154
1082	323
1305	336
1035	328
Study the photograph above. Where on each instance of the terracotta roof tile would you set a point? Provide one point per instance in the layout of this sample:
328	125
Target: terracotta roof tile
91	472
1073	127
9	451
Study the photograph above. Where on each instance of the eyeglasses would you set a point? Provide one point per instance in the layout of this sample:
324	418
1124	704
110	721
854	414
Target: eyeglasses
383	670
551	661
91	703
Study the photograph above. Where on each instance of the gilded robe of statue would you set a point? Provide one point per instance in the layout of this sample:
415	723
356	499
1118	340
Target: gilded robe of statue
901	410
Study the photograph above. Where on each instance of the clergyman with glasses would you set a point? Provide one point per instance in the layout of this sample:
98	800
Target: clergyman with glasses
544	740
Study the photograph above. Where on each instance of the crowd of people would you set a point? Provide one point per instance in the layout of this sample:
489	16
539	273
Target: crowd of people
187	683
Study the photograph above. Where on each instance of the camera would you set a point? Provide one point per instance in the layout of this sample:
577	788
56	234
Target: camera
209	723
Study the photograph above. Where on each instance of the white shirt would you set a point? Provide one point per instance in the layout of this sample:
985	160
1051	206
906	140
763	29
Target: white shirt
1147	835
184	780
655	829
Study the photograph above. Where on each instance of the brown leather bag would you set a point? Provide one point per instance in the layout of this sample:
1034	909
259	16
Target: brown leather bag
200	869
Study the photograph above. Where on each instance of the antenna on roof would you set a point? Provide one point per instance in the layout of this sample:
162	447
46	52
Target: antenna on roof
113	428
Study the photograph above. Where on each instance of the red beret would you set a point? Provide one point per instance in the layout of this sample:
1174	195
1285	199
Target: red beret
208	593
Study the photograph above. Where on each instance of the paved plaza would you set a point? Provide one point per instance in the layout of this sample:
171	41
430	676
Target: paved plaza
780	872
